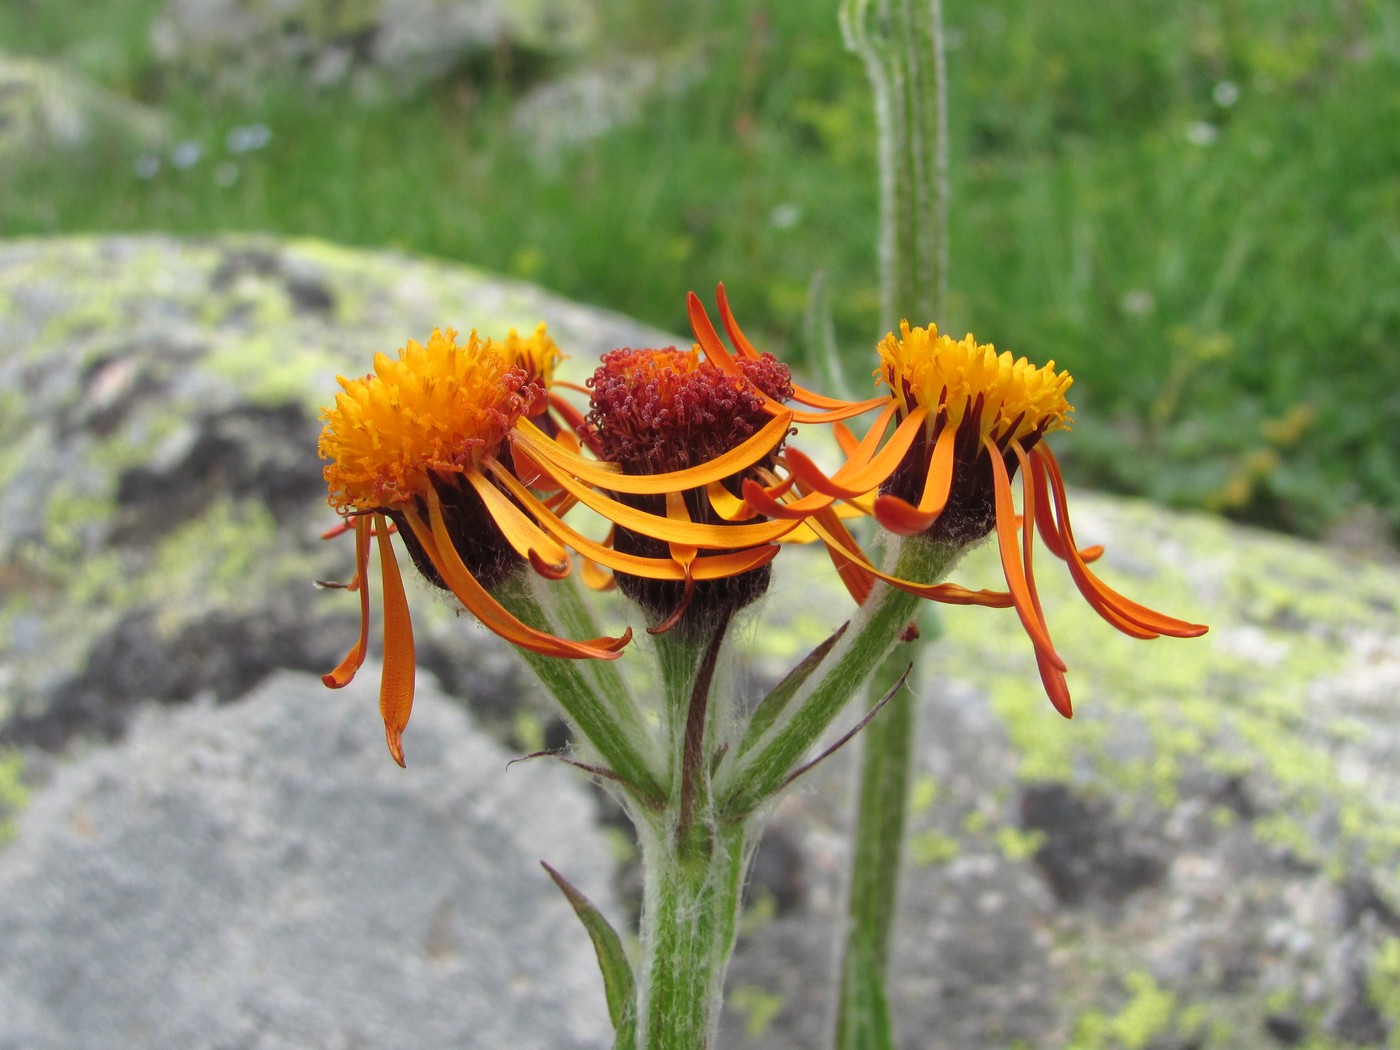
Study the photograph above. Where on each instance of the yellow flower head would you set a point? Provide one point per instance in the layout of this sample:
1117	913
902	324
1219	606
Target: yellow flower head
959	422
426	448
439	409
1016	398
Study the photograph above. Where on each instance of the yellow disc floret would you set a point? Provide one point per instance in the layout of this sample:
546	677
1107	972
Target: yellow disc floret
537	355
439	409
922	367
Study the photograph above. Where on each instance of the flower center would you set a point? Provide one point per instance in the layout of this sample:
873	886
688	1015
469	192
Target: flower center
436	410
1016	398
656	411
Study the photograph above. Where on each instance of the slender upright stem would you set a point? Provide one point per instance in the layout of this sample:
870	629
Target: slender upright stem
901	44
876	853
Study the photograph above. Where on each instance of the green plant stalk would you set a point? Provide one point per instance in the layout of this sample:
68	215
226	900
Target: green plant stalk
764	768
690	911
693	860
614	730
877	849
901	44
902	49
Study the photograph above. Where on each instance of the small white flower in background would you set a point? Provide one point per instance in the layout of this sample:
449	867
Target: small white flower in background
248	137
186	153
1226	93
1137	301
784	216
146	166
1201	133
226	174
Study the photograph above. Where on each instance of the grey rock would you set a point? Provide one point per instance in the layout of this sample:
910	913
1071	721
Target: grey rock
262	875
158	408
400	44
578	107
1207	855
46	107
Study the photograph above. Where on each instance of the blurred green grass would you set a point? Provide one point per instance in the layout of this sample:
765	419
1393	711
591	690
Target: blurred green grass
1194	207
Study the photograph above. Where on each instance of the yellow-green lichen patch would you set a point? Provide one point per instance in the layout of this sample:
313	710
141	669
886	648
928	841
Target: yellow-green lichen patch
13	793
225	556
271	369
758	1006
1018	845
1238	701
72	520
1145	1016
1383	985
923	793
932	847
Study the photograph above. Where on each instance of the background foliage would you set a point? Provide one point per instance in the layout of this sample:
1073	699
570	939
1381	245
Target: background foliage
1193	206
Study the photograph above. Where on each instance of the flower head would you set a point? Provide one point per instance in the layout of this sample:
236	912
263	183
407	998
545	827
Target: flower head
965	420
972	400
427	442
668	411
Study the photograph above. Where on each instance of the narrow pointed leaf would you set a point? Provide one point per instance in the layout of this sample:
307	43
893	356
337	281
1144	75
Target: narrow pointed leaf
772	705
618	983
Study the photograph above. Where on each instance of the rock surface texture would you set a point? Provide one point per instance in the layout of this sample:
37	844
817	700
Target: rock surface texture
216	852
257	876
402	44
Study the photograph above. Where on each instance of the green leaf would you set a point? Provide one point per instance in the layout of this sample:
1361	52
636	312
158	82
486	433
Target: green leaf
618	983
772	705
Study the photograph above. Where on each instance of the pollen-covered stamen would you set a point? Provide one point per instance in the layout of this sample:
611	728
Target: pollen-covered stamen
1012	398
979	404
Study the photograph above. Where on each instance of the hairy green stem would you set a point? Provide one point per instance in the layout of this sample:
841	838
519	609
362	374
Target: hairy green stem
692	861
901	44
877	849
611	724
763	768
690	914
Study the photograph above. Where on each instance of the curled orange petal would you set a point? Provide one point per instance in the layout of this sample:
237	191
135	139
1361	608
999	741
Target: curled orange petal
345	671
1117	609
708	340
607	475
433	537
397	677
1011	564
728	563
546	554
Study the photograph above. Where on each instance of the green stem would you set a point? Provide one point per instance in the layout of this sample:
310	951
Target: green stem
763	768
692	861
902	48
612	725
887	747
901	44
690	914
